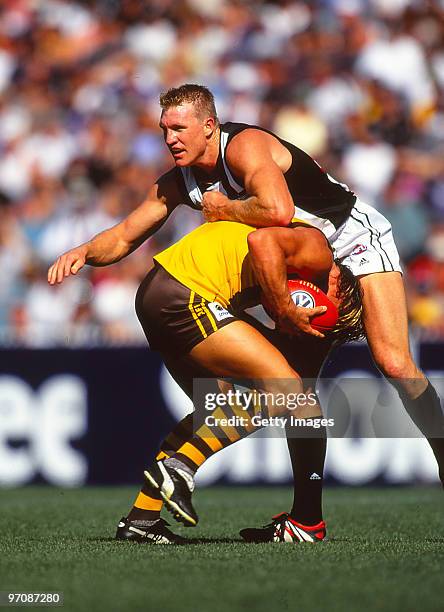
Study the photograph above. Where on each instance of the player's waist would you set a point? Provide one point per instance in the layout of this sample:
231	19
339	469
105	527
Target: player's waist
206	287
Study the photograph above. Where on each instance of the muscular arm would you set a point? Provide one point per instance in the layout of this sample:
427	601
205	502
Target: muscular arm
119	241
272	251
259	160
122	239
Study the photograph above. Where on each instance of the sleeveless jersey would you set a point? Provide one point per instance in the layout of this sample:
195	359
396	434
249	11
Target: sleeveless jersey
318	198
213	261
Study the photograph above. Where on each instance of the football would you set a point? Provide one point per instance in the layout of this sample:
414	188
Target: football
307	295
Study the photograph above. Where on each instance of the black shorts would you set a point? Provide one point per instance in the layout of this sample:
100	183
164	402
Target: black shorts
175	318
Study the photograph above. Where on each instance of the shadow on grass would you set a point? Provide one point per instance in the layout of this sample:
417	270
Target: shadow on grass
193	541
190	541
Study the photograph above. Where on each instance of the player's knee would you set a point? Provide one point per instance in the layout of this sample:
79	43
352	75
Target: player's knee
278	392
395	364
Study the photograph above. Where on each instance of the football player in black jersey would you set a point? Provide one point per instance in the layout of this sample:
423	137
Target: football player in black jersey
243	173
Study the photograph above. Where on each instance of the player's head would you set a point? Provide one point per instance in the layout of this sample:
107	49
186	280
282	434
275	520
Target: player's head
346	293
189	121
200	98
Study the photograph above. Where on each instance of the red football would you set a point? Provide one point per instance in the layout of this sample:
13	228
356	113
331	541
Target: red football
308	295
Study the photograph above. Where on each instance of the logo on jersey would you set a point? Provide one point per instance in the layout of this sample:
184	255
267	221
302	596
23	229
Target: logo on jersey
303	299
358	249
220	313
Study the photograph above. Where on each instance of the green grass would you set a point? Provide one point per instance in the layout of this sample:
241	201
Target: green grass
386	552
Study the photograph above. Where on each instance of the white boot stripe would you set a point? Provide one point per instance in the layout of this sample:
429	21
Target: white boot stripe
303	535
167	486
187	477
138	531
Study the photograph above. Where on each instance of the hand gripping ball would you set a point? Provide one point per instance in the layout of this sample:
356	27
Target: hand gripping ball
307	295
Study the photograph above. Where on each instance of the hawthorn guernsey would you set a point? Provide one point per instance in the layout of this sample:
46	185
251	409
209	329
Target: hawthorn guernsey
214	261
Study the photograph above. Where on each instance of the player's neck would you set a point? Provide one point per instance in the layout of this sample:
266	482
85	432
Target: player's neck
208	161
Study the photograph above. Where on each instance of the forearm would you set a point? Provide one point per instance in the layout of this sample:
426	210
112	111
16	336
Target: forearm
269	265
106	248
253	211
119	241
114	243
272	251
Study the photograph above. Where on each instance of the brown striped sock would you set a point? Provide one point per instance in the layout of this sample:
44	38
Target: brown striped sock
207	441
148	503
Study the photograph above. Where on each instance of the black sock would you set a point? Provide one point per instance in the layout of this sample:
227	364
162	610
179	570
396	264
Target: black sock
307	456
426	412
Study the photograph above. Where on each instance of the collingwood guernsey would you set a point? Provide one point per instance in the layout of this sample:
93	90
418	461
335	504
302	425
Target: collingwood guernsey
318	198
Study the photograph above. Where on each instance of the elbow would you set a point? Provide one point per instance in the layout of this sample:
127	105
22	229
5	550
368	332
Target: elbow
256	241
261	242
281	216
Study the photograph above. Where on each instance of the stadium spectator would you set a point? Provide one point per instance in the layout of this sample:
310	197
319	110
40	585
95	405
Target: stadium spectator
79	139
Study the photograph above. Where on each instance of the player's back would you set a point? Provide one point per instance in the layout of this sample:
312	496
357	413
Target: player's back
212	260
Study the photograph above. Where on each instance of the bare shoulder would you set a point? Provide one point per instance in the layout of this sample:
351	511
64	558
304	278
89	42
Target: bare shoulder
312	236
315	247
249	139
253	145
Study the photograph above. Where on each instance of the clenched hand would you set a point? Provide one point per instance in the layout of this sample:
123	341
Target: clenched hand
213	205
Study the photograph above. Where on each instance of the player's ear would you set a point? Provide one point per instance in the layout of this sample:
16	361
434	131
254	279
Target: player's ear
209	126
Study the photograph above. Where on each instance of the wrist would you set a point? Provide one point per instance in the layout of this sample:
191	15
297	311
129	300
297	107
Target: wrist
282	307
86	252
225	211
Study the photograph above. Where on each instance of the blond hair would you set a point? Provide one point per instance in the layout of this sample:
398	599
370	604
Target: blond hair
199	96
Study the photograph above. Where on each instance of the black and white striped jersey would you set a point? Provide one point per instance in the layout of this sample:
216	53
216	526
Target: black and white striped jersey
318	198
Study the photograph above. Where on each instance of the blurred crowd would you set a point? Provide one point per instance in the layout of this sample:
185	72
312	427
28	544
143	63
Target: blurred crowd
358	84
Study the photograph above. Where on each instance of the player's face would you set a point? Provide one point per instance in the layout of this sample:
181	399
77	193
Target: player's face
185	134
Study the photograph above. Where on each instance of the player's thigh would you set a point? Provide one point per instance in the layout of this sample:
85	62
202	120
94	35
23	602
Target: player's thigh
239	350
305	354
385	311
386	327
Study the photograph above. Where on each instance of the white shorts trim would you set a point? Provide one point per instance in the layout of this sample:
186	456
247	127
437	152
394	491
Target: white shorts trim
365	242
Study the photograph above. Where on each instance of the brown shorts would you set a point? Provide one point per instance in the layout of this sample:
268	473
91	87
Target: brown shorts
175	318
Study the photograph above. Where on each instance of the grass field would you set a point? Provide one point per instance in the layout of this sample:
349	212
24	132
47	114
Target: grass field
386	552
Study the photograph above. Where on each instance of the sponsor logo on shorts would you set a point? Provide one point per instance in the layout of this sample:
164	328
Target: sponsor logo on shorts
220	313
303	299
358	249
363	261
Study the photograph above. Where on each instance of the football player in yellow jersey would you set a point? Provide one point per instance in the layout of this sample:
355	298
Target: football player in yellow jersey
190	308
